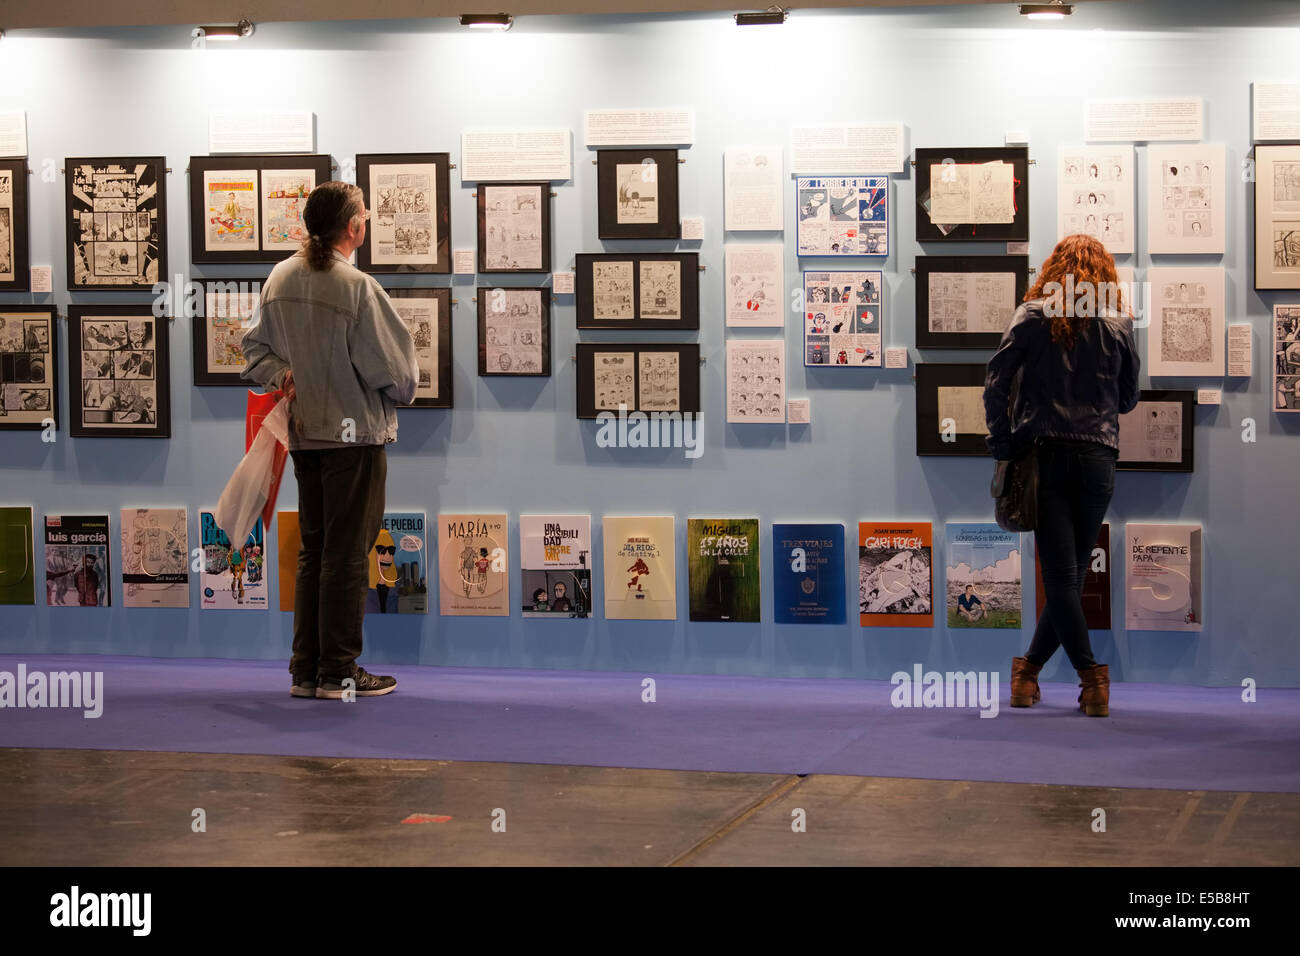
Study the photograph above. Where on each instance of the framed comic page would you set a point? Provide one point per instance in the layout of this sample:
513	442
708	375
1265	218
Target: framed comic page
118	372
116	219
229	310
843	215
409	198
514	331
1158	435
974	193
950	410
29	370
514	227
636	194
1286	358
966	302
249	208
427	313
638	377
1277	217
843	319
15	266
638	290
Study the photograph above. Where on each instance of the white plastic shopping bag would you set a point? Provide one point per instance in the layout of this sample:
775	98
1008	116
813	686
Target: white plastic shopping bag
245	496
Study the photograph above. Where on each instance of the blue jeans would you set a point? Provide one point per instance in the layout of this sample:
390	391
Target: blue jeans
1075	482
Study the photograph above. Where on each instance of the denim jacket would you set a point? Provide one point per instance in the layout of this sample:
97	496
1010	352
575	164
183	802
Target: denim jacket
351	354
1077	394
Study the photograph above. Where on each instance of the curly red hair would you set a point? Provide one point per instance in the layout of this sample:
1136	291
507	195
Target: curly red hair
1078	262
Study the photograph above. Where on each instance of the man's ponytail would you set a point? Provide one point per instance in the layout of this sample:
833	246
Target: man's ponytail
331	208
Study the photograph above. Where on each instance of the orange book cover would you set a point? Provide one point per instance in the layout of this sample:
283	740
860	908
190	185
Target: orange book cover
896	574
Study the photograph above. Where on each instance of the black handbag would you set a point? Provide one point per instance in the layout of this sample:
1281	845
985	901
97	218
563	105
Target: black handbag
1015	482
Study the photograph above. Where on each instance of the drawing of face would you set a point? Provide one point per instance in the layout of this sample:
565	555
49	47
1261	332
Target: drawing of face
381	565
560	590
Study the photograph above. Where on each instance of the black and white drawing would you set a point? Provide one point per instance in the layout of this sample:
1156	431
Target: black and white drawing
1286	358
1095	195
1186	193
116	223
639	290
1157	435
15	275
118	367
514	331
967	301
972	193
514	227
1186	336
408	195
636	194
28	367
427	313
756	381
641	377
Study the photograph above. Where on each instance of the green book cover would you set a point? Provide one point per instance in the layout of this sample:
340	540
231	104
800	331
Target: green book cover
17	557
723	559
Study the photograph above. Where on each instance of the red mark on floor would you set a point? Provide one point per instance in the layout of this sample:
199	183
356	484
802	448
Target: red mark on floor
426	818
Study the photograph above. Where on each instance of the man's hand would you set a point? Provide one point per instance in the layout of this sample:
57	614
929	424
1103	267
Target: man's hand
287	386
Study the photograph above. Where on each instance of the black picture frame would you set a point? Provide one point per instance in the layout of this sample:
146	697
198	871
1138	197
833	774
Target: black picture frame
930	377
204	336
36	337
200	219
91	212
486	200
615	197
1276	252
585	286
927	265
81	319
1186	400
439	339
440	262
688	365
1015	231
15	227
499	357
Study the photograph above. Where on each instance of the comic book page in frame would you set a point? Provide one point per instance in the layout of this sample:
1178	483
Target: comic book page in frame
843	216
514	227
1158	434
1286	358
648	377
967	302
1187	332
1186	198
229	307
636	194
638	290
15	266
950	410
409	199
29	392
1095	195
118	372
514	331
116	220
427	313
246	209
1277	217
972	193
843	319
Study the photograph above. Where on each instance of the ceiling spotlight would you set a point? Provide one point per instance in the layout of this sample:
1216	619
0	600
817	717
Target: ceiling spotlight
771	15
1056	10
226	31
487	21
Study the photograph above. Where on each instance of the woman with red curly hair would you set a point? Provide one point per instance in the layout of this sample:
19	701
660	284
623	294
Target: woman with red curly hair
1071	361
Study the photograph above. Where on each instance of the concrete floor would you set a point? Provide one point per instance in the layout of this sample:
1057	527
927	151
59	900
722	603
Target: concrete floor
84	807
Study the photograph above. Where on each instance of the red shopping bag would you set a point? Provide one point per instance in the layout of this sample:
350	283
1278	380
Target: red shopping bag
259	406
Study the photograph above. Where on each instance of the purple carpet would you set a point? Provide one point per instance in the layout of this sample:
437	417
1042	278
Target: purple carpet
1162	736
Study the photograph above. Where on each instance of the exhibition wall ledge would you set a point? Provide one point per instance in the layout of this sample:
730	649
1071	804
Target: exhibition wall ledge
19	14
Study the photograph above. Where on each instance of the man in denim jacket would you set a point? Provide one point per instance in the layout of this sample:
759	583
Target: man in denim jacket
328	335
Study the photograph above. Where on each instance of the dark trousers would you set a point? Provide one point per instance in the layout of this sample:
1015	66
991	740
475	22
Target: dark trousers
340	509
1075	482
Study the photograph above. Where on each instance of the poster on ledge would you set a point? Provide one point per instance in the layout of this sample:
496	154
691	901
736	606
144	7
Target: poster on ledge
896	574
723	564
983	576
77	569
473	565
1162	577
808	573
232	578
640	568
555	565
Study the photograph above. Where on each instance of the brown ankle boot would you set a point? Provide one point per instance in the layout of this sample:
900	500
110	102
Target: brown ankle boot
1024	683
1095	697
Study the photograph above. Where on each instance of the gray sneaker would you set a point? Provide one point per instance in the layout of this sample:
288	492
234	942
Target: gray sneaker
367	685
303	687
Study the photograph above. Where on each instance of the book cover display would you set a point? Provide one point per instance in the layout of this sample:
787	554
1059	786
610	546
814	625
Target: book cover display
288	540
398	566
808	573
155	557
723	565
1162	577
473	565
17	557
983	579
232	578
896	574
77	569
555	560
1096	584
640	569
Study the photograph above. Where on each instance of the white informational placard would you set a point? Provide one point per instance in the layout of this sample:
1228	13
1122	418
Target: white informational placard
562	283
1143	121
1239	350
1187	308
896	357
1186	199
1209	396
847	149
261	131
756	381
462	262
518	154
639	127
799	411
693	229
753	189
1095	195
13	133
1274	111
42	279
755	286
1017	248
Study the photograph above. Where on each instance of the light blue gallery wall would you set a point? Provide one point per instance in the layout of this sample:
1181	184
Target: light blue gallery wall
955	76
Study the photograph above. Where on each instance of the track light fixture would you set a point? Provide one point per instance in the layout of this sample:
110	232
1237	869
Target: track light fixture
772	15
1055	10
226	31
487	21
